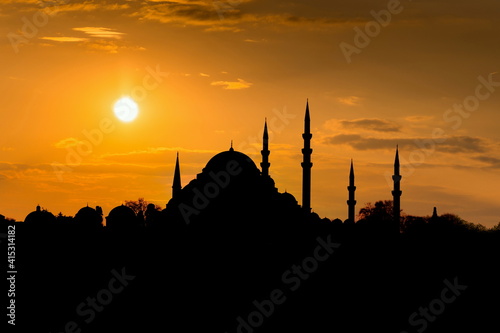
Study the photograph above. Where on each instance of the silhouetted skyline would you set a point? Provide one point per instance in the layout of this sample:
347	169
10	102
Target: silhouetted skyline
432	88
221	171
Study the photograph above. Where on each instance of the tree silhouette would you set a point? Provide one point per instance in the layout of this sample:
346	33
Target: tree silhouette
139	206
496	227
453	222
381	211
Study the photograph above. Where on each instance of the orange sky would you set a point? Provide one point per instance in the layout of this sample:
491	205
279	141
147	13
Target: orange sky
206	72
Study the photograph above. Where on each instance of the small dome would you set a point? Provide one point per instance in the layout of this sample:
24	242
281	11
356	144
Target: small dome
121	217
289	198
86	211
40	217
88	216
122	211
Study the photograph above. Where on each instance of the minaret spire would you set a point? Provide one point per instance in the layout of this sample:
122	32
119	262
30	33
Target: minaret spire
176	186
396	193
265	152
351	202
306	164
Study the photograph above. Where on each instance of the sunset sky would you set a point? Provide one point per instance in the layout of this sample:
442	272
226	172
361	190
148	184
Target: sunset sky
203	73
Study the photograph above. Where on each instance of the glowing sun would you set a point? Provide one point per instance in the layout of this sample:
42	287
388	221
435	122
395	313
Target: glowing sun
126	109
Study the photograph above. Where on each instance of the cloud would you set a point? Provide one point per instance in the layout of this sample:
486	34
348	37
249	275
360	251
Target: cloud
418	119
199	13
227	15
19	170
248	40
68	142
157	150
492	161
152	154
65	39
100	32
83	6
349	100
97	39
452	144
103	45
373	124
233	85
204	75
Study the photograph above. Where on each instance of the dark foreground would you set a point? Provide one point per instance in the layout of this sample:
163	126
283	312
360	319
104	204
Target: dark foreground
311	278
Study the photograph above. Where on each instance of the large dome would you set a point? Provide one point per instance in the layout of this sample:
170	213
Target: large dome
88	216
121	217
40	217
231	159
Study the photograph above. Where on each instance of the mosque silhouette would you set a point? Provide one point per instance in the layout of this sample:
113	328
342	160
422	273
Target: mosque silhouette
230	185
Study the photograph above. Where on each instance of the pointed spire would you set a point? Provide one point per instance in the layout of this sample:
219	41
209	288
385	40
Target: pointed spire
265	135
231	149
351	202
434	213
396	161
265	151
396	193
351	173
307	119
176	186
306	162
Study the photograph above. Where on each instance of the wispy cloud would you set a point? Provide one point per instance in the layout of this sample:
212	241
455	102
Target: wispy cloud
249	40
492	161
67	142
84	6
151	154
349	100
374	124
452	144
233	85
418	119
64	39
100	32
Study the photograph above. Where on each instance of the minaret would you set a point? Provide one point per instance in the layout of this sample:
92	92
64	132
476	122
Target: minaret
176	186
434	217
306	164
265	152
396	193
351	202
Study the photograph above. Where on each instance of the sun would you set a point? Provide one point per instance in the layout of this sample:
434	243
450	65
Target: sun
126	109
